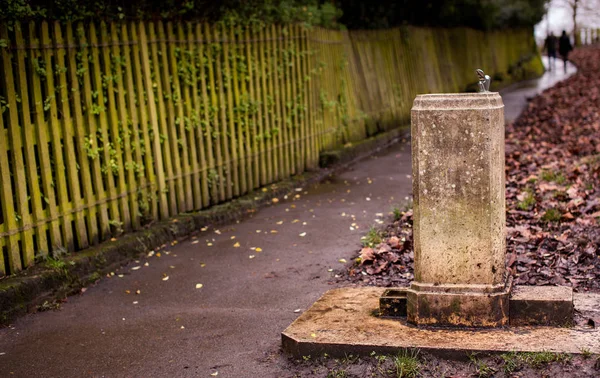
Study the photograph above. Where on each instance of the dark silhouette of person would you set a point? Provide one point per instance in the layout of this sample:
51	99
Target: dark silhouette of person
564	48
550	47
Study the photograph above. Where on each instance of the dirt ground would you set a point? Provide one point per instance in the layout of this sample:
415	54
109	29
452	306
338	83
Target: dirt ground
428	366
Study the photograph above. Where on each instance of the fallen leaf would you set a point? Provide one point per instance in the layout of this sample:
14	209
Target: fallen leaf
136	267
165	278
343	261
258	249
199	286
236	245
366	254
303	234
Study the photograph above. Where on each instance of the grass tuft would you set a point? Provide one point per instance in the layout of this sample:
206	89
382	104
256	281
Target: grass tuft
407	364
551	215
372	238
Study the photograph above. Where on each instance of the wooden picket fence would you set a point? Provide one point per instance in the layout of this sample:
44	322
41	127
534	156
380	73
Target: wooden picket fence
106	127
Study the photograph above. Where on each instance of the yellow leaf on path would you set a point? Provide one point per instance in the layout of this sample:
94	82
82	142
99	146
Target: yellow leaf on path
236	245
202	265
127	292
209	244
258	231
204	229
343	261
273	231
296	221
233	237
251	256
199	286
280	222
303	234
313	335
166	278
136	267
216	372
138	292
275	200
196	242
258	249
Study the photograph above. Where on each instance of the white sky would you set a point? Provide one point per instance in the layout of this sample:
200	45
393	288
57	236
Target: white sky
560	18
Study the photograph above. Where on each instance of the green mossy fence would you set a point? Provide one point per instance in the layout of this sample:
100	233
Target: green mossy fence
107	127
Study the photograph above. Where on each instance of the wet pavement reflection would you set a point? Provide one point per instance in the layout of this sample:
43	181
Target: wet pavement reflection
515	96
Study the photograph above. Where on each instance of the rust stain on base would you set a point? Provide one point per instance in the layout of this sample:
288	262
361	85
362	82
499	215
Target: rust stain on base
342	321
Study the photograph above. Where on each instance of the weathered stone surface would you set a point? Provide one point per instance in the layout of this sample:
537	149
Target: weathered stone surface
458	188
459	307
541	305
459	211
342	322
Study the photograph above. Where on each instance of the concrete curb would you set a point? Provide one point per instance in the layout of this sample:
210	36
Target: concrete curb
41	285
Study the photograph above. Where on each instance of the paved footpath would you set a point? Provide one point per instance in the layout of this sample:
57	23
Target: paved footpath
218	303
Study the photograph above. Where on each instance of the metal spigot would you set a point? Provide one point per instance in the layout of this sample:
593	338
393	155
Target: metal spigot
484	80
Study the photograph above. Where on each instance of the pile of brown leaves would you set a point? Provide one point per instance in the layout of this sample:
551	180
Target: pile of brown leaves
552	193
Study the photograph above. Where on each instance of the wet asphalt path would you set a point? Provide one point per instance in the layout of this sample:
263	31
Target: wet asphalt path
218	302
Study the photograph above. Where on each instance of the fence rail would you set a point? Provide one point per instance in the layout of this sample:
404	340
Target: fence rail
105	127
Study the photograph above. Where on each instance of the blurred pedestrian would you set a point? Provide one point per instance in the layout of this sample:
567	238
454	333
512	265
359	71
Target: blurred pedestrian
550	47
564	47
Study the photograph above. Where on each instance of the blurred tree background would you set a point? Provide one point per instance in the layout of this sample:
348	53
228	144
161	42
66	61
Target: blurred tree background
477	14
353	14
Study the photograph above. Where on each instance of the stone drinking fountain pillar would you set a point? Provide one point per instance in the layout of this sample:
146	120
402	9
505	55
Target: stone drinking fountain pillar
459	211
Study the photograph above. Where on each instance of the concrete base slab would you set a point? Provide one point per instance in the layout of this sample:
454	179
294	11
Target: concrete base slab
541	305
343	321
